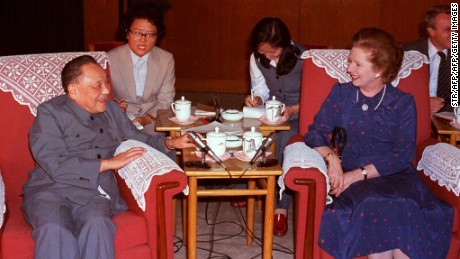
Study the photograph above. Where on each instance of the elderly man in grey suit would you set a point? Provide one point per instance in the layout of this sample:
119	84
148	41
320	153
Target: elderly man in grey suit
72	194
436	46
142	74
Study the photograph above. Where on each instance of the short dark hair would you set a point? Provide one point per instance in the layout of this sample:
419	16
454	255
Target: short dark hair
273	31
149	11
72	70
428	20
386	52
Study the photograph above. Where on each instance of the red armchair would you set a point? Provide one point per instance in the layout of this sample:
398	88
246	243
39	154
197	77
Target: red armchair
32	79
310	185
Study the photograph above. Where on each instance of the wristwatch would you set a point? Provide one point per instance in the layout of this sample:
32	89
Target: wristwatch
364	172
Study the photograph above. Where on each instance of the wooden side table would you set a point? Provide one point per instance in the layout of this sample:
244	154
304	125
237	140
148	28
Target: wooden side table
445	131
236	168
163	124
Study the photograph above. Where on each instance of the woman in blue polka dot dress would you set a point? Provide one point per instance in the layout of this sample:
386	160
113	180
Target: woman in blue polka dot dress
381	207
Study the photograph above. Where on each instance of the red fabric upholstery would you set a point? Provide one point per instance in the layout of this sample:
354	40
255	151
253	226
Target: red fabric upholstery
138	232
309	184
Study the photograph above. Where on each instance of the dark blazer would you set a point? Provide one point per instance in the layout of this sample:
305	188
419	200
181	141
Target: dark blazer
421	45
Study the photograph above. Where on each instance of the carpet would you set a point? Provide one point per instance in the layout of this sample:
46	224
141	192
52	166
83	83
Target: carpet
229	240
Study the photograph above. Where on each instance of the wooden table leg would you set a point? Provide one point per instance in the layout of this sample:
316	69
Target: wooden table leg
184	221
192	217
268	218
250	214
453	140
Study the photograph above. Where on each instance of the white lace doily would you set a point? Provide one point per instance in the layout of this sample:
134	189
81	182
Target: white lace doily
36	78
2	200
335	62
139	173
300	155
441	162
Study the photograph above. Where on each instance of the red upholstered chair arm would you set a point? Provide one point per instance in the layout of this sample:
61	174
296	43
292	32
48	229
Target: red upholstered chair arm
158	210
295	138
310	200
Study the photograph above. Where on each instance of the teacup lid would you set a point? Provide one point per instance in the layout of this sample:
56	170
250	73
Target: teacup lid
273	101
216	133
252	133
182	100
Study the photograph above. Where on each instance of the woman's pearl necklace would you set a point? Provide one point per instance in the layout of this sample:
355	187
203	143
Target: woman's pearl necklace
364	107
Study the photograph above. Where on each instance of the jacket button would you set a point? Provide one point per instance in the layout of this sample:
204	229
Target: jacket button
101	130
99	156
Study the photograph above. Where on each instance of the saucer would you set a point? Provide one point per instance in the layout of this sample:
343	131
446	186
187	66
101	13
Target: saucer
223	157
190	120
281	120
240	155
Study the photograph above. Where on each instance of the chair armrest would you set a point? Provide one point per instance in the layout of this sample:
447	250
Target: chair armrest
158	212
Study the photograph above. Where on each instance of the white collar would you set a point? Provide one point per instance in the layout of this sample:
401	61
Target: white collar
135	58
433	51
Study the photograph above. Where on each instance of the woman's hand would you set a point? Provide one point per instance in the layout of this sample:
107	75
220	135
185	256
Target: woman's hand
144	120
122	104
121	159
335	174
253	102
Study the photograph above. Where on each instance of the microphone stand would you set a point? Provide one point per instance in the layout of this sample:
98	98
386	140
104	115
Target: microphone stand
266	162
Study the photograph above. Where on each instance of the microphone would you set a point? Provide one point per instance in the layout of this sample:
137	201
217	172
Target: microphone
205	148
263	148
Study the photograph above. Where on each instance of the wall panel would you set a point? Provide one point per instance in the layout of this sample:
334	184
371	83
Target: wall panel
210	38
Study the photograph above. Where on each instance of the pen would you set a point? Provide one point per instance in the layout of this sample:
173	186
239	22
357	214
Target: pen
252	94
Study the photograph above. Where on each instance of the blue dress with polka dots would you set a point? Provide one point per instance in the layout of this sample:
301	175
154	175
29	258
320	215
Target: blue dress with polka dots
395	210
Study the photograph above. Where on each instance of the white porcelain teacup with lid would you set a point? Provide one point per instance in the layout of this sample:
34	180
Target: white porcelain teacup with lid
182	108
216	141
273	109
252	140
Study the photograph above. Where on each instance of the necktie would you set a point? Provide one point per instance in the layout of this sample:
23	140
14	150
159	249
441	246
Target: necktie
444	82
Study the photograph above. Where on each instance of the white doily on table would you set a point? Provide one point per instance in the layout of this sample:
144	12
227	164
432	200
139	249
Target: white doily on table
335	62
441	162
138	174
35	78
300	155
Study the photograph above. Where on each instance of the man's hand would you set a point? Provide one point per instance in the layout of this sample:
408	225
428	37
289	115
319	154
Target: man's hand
290	111
253	102
122	104
436	103
181	142
121	159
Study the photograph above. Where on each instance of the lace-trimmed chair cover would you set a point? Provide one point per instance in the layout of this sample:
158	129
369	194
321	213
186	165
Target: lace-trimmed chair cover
36	78
335	62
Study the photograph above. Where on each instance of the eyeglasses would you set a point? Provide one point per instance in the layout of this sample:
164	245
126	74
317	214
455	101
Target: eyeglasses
139	35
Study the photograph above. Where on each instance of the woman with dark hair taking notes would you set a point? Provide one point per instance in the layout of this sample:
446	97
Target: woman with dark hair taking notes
382	208
276	70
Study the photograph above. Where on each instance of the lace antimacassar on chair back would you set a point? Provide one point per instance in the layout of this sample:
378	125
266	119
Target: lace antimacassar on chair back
36	78
335	62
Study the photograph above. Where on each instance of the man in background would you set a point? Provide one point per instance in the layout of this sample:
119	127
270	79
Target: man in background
436	45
